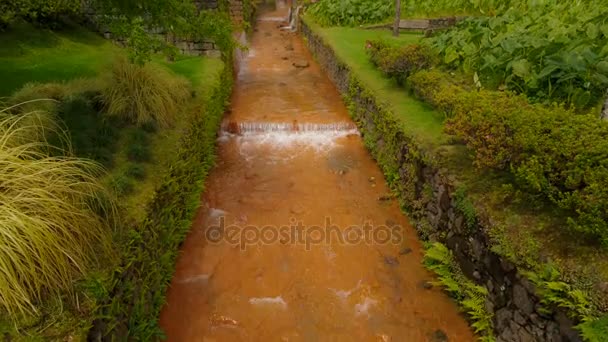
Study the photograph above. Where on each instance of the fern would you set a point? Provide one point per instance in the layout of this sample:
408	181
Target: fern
556	293
471	297
594	330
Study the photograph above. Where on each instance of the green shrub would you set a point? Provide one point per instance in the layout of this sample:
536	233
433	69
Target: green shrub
549	150
38	11
398	62
147	94
30	95
138	148
135	170
351	12
92	136
122	184
55	214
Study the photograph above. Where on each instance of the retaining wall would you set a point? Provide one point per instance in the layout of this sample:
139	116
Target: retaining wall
428	191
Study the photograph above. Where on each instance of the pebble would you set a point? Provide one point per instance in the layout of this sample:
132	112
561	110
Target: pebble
425	284
405	251
439	336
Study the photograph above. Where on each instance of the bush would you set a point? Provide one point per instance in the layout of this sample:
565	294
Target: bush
91	135
33	96
122	184
55	214
549	150
135	170
146	94
38	11
398	62
138	147
351	12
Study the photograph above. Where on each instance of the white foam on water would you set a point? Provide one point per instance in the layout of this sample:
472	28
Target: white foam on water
363	308
215	213
269	301
344	294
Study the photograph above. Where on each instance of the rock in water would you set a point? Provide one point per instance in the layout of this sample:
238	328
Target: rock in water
301	64
439	336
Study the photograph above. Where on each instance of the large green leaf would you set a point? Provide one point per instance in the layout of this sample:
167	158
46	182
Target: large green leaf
521	68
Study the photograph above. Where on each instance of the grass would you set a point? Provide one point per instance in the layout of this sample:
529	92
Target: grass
143	95
418	118
203	73
55	217
525	230
38	55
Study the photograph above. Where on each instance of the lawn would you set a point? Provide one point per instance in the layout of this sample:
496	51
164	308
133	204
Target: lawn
418	118
40	55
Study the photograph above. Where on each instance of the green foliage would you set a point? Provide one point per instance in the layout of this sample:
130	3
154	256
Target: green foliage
548	150
145	94
136	21
399	62
56	216
465	206
555	293
39	11
351	12
138	146
122	184
470	296
594	330
566	63
150	248
92	136
136	170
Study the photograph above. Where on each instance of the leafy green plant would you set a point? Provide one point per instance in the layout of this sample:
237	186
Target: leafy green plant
469	295
38	11
145	94
548	150
351	12
122	184
136	170
594	330
138	148
517	50
92	135
464	205
556	293
56	216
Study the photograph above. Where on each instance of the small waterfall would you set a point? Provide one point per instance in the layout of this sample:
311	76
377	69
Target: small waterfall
243	128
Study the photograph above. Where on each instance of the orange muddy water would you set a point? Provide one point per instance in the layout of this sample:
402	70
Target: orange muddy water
298	238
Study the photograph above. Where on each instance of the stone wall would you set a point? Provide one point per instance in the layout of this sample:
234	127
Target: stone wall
431	191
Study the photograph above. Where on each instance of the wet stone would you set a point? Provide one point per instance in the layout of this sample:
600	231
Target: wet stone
439	336
297	209
301	64
425	284
385	198
405	251
391	261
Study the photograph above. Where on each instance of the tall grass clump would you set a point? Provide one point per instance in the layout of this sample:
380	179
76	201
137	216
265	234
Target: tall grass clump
56	219
144	94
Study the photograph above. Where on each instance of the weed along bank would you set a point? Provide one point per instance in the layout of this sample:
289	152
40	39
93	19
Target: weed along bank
240	170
